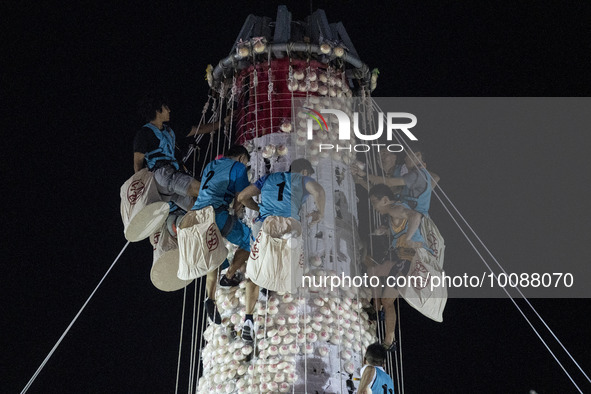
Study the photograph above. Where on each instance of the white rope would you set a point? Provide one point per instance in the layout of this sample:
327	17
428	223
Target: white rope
372	163
395	371
203	321
517	288
208	151
270	89
228	127
305	343
352	203
206	106
196	344
220	116
178	367
193	362
255	81
398	359
216	327
196	309
71	324
393	361
291	103
402	141
219	134
307	230
299	294
193	340
511	298
401	386
334	265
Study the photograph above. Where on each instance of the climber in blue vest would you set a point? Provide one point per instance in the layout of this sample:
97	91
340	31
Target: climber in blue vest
403	226
222	180
282	194
411	182
154	148
373	377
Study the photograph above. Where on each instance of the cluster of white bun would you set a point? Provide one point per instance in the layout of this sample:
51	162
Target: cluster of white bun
333	325
327	83
257	45
271	150
327	49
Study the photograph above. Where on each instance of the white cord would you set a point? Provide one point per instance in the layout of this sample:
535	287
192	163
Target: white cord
401	388
178	367
402	141
193	339
71	324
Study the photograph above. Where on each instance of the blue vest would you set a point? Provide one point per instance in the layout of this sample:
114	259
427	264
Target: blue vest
165	150
417	237
217	186
383	383
282	194
421	202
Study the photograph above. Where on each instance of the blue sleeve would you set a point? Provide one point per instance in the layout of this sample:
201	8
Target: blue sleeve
259	184
240	177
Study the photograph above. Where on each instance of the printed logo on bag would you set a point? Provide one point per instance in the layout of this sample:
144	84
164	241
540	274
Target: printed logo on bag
135	191
211	238
433	243
254	251
156	239
421	276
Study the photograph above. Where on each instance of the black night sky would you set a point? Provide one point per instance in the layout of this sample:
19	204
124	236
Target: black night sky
72	75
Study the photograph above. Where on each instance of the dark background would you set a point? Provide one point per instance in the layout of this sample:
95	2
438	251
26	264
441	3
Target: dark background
73	74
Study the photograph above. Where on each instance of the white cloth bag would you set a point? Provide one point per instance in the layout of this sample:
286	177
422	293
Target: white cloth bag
166	262
419	292
201	246
142	210
276	258
434	240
